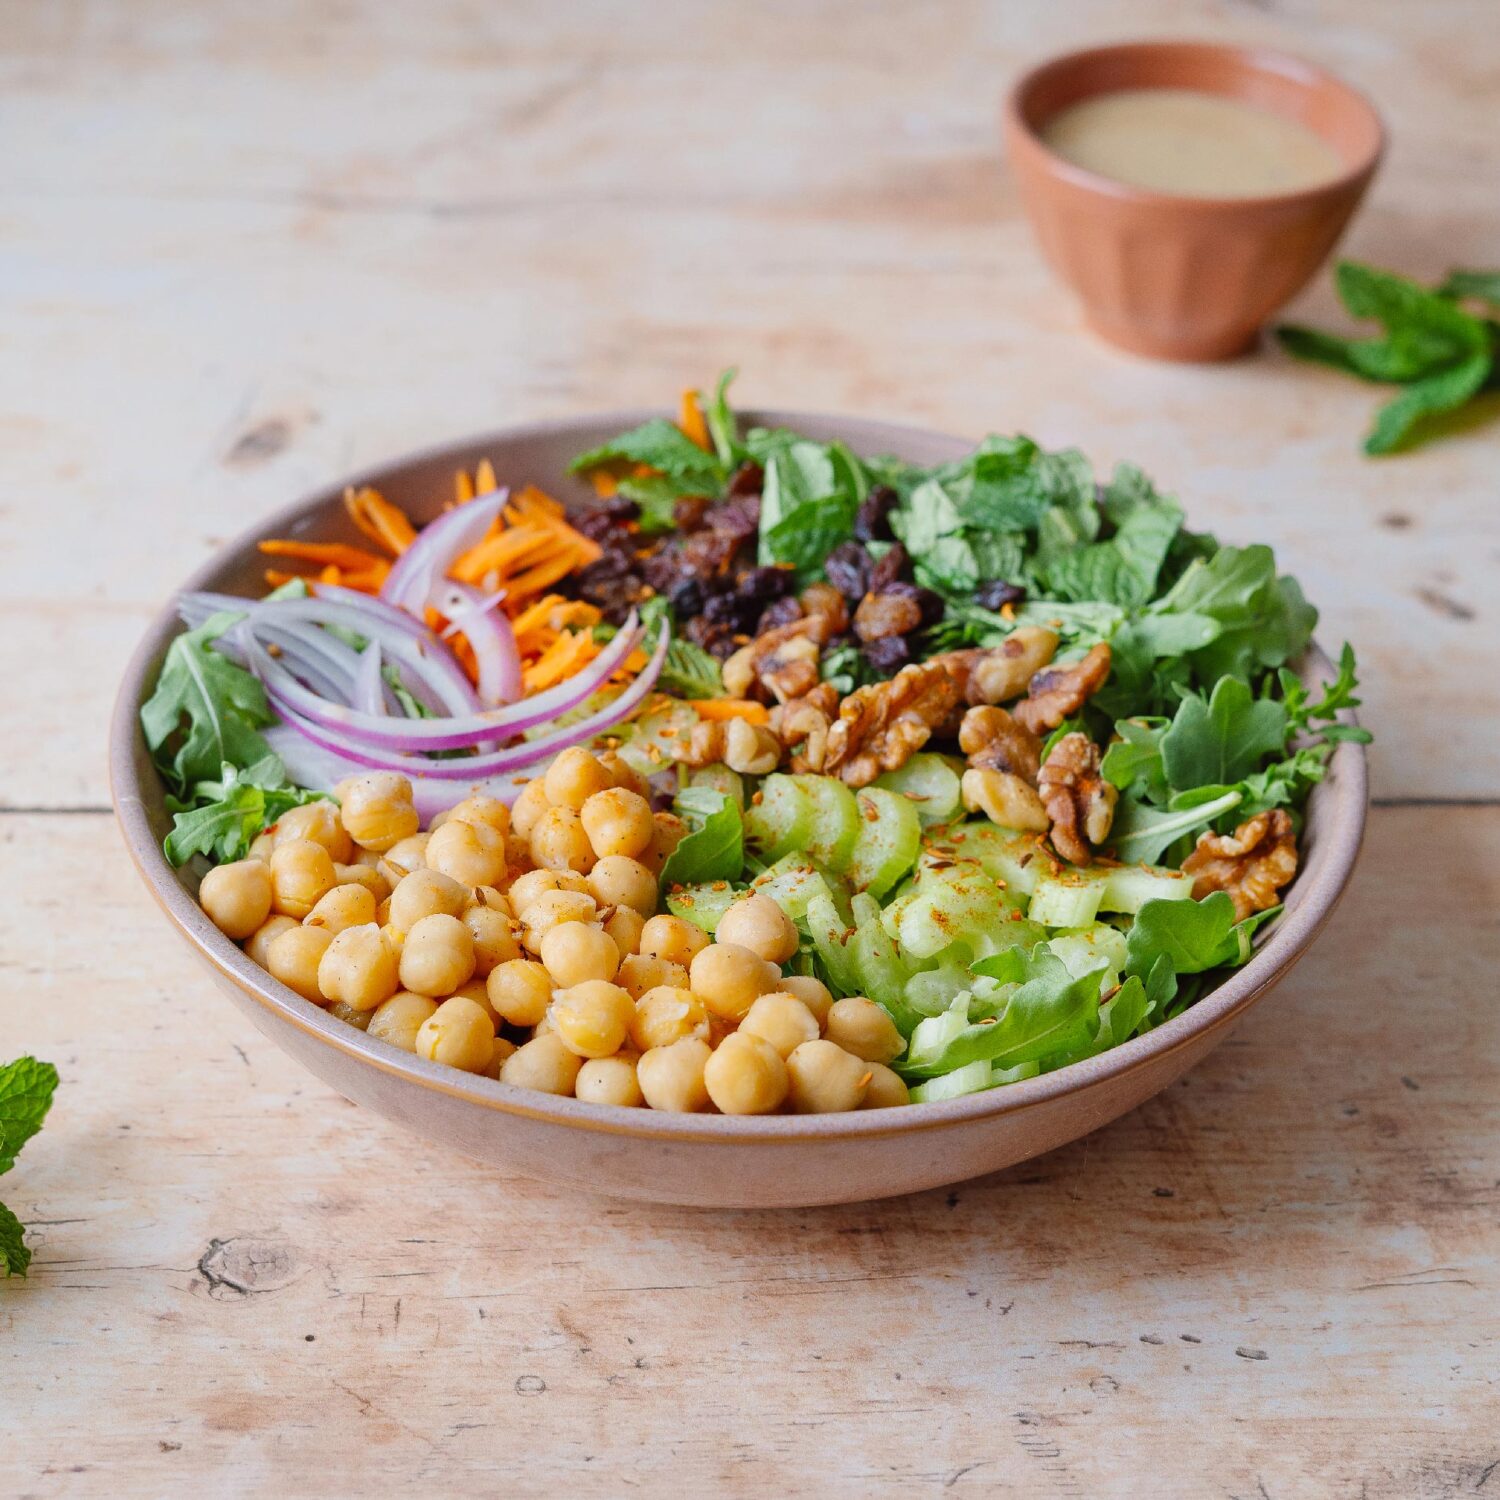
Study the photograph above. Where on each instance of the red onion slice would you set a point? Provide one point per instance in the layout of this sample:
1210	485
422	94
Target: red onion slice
418	571
489	635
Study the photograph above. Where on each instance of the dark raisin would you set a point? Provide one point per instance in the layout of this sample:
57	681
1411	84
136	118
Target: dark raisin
686	597
872	521
717	639
888	655
891	568
823	599
748	479
998	593
738	518
930	602
782	612
732	610
688	514
765	584
848	570
605	517
707	552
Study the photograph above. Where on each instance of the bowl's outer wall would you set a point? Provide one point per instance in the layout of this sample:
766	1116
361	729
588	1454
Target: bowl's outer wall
773	1161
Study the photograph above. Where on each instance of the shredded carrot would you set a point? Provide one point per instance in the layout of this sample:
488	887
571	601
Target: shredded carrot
606	486
719	709
561	659
463	487
691	421
337	553
384	523
485	482
540	577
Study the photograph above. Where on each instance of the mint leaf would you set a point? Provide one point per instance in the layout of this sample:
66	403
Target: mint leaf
715	848
806	534
1445	391
1222	740
690	672
719	418
1483	286
26	1089
14	1255
663	446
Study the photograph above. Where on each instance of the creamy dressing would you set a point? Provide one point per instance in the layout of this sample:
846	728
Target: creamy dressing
1192	144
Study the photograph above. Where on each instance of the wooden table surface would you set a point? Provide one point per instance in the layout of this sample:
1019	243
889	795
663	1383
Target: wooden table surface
246	248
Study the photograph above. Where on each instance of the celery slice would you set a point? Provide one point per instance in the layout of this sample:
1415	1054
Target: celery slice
972	1078
703	905
721	779
889	839
791	883
835	821
931	783
782	821
1067	899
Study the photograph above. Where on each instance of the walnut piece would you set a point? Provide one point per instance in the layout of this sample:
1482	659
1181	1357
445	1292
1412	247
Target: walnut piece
1078	800
994	741
880	727
1001	672
784	660
1252	863
1056	692
805	722
750	749
1004	799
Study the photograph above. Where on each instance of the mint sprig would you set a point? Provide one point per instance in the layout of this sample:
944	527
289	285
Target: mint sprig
26	1089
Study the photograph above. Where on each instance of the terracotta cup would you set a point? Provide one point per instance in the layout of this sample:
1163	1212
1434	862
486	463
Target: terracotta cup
1177	277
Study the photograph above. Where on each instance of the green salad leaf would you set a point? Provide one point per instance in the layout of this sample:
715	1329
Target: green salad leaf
665	447
226	815
1221	739
26	1090
714	848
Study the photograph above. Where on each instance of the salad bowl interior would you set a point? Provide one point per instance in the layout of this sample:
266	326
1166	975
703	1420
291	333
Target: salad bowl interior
708	1160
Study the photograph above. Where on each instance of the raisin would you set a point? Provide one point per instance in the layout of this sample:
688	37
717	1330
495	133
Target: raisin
888	655
688	514
605	517
890	613
782	612
872	521
748	479
765	584
824	599
848	570
732	610
893	567
738	518
998	593
686	597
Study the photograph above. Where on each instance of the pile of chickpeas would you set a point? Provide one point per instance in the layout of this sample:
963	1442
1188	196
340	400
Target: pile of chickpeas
525	944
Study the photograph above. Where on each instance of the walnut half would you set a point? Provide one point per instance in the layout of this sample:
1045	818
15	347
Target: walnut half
1079	801
1251	864
881	726
994	741
1055	692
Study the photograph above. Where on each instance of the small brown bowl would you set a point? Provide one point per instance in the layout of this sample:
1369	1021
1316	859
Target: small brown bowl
1176	277
711	1160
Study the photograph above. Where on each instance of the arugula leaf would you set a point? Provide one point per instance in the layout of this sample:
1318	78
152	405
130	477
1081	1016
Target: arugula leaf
715	848
1222	740
1191	935
1304	715
205	706
1133	763
1142	834
663	446
26	1090
226	815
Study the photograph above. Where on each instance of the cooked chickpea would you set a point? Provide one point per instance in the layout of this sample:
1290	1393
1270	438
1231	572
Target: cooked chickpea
618	822
825	1079
366	875
863	1028
782	1020
559	842
573	777
459	1034
494	935
528	808
490	811
757	923
624	925
398	1019
730	979
520	991
885	1088
638	974
266	934
502	1050
478	991
618	880
609	1080
593	1018
402	858
318	821
671	1077
490	896
527	888
573	952
813	993
622	773
437	956
262	845
551	909
745	1075
301	875
518	858
293	958
343	906
394	936
425	893
668	832
472	853
358	968
237	897
376	809
543	1063
672	938
665	1015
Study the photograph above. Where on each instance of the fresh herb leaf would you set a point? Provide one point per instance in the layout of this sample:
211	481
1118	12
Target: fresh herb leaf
1221	740
1133	763
26	1090
226	815
715	847
657	497
806	534
1141	834
690	672
723	429
1191	935
663	446
1483	286
1445	391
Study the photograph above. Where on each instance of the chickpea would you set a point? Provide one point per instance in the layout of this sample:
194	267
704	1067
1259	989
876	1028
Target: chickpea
301	875
665	1015
885	1089
494	938
395	938
369	858
457	1033
262	845
730	979
624	925
609	1080
618	822
757	923
520	991
491	897
813	993
402	858
318	821
551	909
478	991
782	1020
638	974
425	893
343	906
293	958
376	809
543	1063
559	842
358	968
573	777
472	853
518	858
671	1078
672	938
398	1019
745	1076
669	832
237	897
574	952
534	883
593	1018
502	1050
863	1028
358	1019
618	880
490	811
529	807
266	934
438	956
366	875
825	1079
621	773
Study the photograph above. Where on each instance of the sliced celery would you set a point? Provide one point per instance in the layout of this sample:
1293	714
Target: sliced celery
703	905
972	1078
931	783
782	821
1006	854
1129	887
835	823
999	1075
889	838
1068	899
721	779
791	883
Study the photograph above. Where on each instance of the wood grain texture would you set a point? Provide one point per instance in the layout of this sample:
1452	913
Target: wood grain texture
243	249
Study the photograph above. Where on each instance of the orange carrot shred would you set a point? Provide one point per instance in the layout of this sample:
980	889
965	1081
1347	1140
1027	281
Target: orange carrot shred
691	420
485	482
338	554
606	486
384	523
719	709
